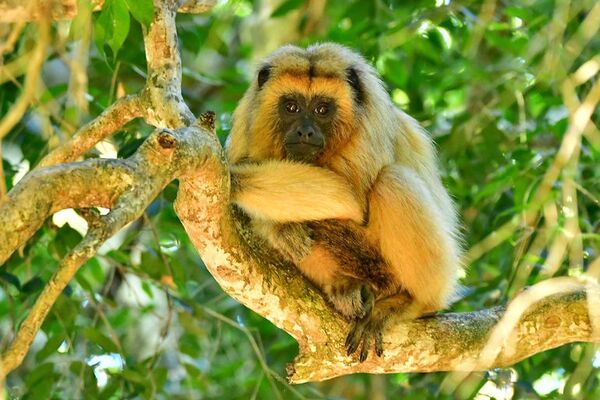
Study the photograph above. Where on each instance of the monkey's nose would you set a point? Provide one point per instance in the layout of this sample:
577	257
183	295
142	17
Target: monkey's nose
305	134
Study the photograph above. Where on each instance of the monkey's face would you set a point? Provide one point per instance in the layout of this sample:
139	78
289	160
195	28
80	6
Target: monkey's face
304	104
305	124
301	115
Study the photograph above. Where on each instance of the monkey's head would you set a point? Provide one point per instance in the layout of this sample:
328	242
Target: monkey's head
303	104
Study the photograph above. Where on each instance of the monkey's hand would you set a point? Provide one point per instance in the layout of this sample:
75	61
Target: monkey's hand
352	298
369	328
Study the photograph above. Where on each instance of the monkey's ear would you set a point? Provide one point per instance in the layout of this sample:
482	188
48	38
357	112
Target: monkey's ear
354	81
263	75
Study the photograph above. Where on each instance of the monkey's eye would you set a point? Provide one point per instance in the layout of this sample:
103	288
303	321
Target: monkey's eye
322	109
292	107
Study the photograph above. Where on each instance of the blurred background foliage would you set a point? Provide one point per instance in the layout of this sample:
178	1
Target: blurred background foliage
498	84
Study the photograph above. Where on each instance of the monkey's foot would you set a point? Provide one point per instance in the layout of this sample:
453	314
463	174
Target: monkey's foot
364	332
352	299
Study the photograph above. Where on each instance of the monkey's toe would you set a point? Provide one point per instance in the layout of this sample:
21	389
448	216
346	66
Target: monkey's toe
355	336
379	343
363	333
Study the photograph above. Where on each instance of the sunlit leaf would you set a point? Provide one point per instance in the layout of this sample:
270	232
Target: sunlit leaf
142	10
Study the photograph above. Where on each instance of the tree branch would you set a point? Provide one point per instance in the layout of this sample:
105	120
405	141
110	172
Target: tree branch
162	94
125	186
34	67
160	102
110	121
556	314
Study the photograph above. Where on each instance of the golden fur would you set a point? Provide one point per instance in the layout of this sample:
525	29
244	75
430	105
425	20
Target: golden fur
276	190
378	163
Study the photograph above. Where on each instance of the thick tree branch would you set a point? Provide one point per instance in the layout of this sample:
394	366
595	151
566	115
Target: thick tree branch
554	316
162	98
160	102
49	190
455	341
125	186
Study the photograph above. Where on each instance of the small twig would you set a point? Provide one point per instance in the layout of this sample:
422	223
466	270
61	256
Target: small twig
9	44
580	119
485	16
251	339
34	68
2	178
78	62
86	249
586	31
15	68
111	120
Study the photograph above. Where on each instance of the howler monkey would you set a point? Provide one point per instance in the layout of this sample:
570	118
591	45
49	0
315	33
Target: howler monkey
345	186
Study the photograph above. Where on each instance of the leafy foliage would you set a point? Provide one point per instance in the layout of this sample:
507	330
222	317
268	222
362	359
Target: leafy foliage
493	82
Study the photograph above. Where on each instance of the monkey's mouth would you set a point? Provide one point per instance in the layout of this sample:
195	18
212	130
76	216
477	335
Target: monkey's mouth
302	144
302	151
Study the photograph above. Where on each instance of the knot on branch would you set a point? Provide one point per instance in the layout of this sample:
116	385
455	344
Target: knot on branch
166	140
207	121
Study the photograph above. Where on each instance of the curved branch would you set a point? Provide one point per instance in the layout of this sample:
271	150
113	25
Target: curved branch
162	94
34	67
160	102
453	341
45	191
111	120
126	186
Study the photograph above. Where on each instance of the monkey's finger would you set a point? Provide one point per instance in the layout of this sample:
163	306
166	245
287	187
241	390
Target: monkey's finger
364	350
379	342
355	336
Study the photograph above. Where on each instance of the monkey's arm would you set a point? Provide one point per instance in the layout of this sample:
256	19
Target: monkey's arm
412	221
286	191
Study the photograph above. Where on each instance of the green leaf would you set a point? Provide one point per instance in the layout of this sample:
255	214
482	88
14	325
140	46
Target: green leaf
33	285
112	26
120	23
66	238
142	11
101	340
134	376
41	371
81	22
10	278
50	347
103	28
286	7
